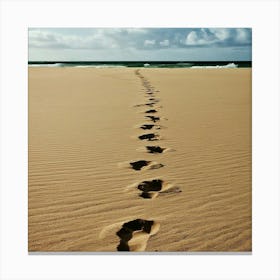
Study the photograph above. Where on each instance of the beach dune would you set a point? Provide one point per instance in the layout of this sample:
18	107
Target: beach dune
90	175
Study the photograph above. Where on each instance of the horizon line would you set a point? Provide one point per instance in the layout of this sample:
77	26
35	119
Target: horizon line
139	61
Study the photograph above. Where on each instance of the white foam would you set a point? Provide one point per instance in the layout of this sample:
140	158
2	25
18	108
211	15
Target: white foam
46	65
108	66
230	65
77	66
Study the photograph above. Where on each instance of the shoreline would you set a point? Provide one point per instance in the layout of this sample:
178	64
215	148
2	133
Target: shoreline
143	64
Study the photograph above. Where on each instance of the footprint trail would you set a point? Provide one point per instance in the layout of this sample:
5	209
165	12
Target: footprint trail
135	234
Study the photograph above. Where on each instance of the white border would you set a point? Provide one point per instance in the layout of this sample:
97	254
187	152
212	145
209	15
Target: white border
17	16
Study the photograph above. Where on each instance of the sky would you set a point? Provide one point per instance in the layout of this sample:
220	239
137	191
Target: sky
140	44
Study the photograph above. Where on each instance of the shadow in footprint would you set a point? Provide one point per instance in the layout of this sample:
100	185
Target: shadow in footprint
149	137
155	149
147	195
151	189
138	165
151	104
147	126
153	185
151	111
126	232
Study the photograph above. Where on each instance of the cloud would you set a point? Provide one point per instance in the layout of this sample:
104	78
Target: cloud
219	37
200	37
149	43
164	43
38	39
243	36
137	38
47	39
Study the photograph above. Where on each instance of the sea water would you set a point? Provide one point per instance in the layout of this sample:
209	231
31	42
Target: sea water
146	64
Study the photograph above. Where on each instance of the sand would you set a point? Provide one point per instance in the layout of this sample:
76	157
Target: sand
84	125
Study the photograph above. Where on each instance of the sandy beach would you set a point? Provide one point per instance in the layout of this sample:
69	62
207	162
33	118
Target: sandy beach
184	185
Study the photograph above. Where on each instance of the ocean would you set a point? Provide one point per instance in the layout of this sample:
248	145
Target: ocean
146	64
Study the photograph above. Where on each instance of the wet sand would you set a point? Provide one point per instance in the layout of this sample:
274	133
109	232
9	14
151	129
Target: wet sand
152	160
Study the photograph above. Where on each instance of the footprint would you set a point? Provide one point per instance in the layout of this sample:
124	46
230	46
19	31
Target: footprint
135	234
152	188
151	111
149	126
155	149
153	99
147	186
151	104
139	164
149	137
153	118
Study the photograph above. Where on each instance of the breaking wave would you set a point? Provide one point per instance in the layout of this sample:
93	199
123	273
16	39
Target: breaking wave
229	65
